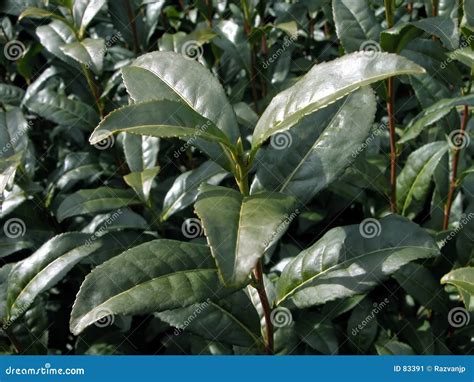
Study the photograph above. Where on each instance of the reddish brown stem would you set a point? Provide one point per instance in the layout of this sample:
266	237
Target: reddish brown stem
454	170
267	310
393	147
434	8
209	12
133	25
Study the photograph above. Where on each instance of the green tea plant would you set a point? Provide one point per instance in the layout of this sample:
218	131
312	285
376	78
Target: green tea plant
265	177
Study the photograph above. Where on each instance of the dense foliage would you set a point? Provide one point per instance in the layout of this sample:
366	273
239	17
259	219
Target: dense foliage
216	177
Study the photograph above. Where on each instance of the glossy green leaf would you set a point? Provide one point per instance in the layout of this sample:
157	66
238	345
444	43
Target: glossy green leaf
326	83
11	94
13	135
44	268
4	273
420	283
393	40
344	263
429	54
306	159
224	321
234	43
170	76
10	246
127	19
91	201
155	276
53	36
463	280
185	188
77	166
239	229
83	11
141	152
362	325
464	55
355	24
319	334
419	336
141	182
444	27
39	13
62	110
433	114
122	218
31	330
162	119
393	348
89	52
413	183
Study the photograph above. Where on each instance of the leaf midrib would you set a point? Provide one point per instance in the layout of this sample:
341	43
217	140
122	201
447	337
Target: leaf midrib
311	149
67	254
325	101
352	260
408	197
117	296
